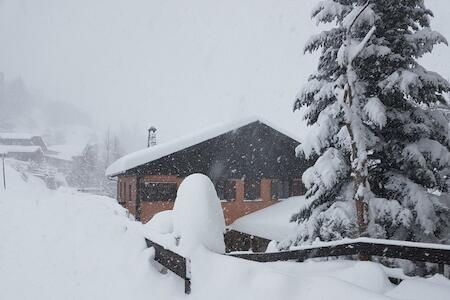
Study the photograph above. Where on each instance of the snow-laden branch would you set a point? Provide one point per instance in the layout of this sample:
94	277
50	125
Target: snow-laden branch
353	52
358	15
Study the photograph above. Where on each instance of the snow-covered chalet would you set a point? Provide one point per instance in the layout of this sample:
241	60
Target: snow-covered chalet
251	162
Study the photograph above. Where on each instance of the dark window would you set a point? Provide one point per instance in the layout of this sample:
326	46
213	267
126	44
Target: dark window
225	189
159	191
297	187
129	192
252	189
281	189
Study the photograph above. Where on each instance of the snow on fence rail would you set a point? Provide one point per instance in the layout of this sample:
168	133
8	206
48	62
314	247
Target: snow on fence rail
432	253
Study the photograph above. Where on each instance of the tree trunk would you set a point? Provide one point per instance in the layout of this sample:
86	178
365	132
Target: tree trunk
358	173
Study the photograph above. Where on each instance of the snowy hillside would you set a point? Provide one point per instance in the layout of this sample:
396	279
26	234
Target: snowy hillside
63	245
66	245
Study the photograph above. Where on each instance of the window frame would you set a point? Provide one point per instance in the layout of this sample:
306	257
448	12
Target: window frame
148	197
281	188
256	184
225	189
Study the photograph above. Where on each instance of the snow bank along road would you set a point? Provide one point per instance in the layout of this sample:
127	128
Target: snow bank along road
66	245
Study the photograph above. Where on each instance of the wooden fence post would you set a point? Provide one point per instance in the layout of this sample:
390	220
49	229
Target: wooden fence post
187	280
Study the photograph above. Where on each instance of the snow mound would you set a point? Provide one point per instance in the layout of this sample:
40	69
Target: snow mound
272	222
162	222
368	275
198	216
240	279
419	288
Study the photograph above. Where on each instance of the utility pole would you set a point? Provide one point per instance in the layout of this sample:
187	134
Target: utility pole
3	168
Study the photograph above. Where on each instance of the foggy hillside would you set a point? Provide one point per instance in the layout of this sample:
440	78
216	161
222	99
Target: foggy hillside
176	65
24	110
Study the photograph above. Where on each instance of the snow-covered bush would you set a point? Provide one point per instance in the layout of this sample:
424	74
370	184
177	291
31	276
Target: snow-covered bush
198	216
161	222
378	133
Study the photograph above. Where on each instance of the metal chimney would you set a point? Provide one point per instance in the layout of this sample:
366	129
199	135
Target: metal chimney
151	140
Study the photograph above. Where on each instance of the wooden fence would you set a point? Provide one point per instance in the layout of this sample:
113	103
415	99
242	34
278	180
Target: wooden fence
239	241
361	247
174	262
418	252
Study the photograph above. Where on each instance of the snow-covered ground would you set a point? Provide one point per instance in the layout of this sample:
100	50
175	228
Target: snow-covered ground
66	245
272	222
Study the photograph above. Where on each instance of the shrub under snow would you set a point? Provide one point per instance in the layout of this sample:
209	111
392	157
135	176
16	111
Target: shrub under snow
197	215
162	222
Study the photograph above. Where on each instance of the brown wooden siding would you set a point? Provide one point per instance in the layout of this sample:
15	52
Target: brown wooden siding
232	209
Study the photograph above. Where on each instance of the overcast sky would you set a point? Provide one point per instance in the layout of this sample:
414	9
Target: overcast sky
178	65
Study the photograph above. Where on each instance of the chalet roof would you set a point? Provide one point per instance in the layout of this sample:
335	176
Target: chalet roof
23	139
146	155
16	136
5	149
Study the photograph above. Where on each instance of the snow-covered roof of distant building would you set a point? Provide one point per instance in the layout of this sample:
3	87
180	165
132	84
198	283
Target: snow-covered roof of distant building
66	152
16	135
272	222
146	155
4	149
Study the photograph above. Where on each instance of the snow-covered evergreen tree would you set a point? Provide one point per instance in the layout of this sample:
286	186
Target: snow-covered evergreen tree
112	150
86	172
378	137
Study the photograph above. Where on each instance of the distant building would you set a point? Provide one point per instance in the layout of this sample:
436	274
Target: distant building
23	146
251	162
29	147
25	153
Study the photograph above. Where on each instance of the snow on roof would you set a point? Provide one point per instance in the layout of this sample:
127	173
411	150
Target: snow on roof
272	222
66	152
16	135
146	155
19	149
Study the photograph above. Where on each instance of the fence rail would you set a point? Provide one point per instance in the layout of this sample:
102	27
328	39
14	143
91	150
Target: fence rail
438	255
239	241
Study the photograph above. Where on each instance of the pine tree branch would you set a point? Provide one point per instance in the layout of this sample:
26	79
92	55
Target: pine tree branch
361	45
359	14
